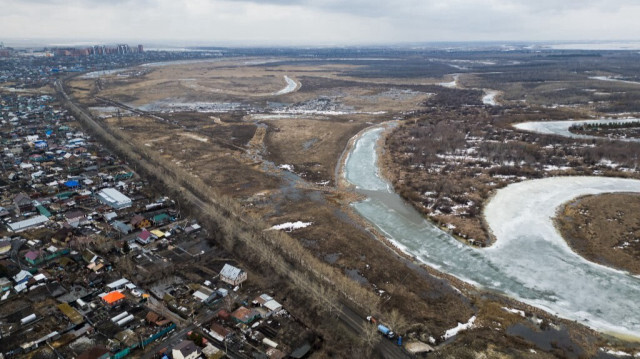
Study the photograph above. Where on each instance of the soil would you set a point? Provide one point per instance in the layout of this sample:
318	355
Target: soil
604	229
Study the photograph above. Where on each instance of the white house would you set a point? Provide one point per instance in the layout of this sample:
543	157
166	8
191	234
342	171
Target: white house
232	275
186	349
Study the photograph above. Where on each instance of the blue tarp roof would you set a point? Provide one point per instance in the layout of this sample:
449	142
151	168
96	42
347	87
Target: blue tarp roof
72	183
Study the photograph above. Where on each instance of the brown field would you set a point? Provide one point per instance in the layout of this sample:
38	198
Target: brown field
604	229
236	81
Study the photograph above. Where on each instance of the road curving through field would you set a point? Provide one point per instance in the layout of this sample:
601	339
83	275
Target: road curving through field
530	261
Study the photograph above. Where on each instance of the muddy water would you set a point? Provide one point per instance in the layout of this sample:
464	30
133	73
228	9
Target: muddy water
530	261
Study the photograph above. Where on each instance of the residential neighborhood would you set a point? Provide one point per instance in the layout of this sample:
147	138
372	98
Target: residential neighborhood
96	262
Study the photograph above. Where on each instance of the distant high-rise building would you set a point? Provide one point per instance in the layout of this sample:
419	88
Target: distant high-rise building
140	48
123	49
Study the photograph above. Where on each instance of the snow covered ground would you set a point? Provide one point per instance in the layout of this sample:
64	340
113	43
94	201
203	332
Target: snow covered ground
530	261
561	128
290	226
490	97
453	84
97	74
460	327
613	79
291	86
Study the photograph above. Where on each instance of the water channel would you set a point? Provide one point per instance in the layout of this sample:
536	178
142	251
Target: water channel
529	262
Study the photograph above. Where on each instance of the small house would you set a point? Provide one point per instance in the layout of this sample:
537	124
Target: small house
122	227
113	298
144	237
160	219
139	221
219	332
244	315
32	257
232	275
186	349
22	277
23	203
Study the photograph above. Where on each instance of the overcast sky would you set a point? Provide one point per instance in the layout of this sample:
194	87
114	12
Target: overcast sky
320	22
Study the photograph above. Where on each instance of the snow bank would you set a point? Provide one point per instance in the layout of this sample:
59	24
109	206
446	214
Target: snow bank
290	226
286	167
617	353
460	327
514	311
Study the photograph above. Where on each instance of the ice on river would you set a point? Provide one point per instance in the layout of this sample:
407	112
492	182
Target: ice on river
561	128
291	86
530	261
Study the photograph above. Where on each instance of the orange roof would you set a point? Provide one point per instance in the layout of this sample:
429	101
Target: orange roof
113	297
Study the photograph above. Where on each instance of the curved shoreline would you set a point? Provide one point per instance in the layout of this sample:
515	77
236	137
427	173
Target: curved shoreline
532	268
561	128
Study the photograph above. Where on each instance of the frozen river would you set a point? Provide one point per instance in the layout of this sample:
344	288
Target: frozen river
561	128
530	261
291	86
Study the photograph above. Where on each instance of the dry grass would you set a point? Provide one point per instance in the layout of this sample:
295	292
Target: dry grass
604	229
312	146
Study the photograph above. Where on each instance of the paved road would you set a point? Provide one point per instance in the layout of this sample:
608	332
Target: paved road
386	347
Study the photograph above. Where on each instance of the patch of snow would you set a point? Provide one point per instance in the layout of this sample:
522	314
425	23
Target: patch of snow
514	311
194	137
97	74
286	167
613	79
617	353
453	84
608	163
460	327
290	226
490	97
556	168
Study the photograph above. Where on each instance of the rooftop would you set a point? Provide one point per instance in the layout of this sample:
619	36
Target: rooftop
113	297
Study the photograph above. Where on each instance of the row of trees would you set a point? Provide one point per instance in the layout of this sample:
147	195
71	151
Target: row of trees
243	234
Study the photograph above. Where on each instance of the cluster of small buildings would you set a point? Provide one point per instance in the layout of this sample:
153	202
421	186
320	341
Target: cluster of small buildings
95	263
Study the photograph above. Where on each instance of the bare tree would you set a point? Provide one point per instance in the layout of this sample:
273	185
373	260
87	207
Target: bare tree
370	337
397	321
